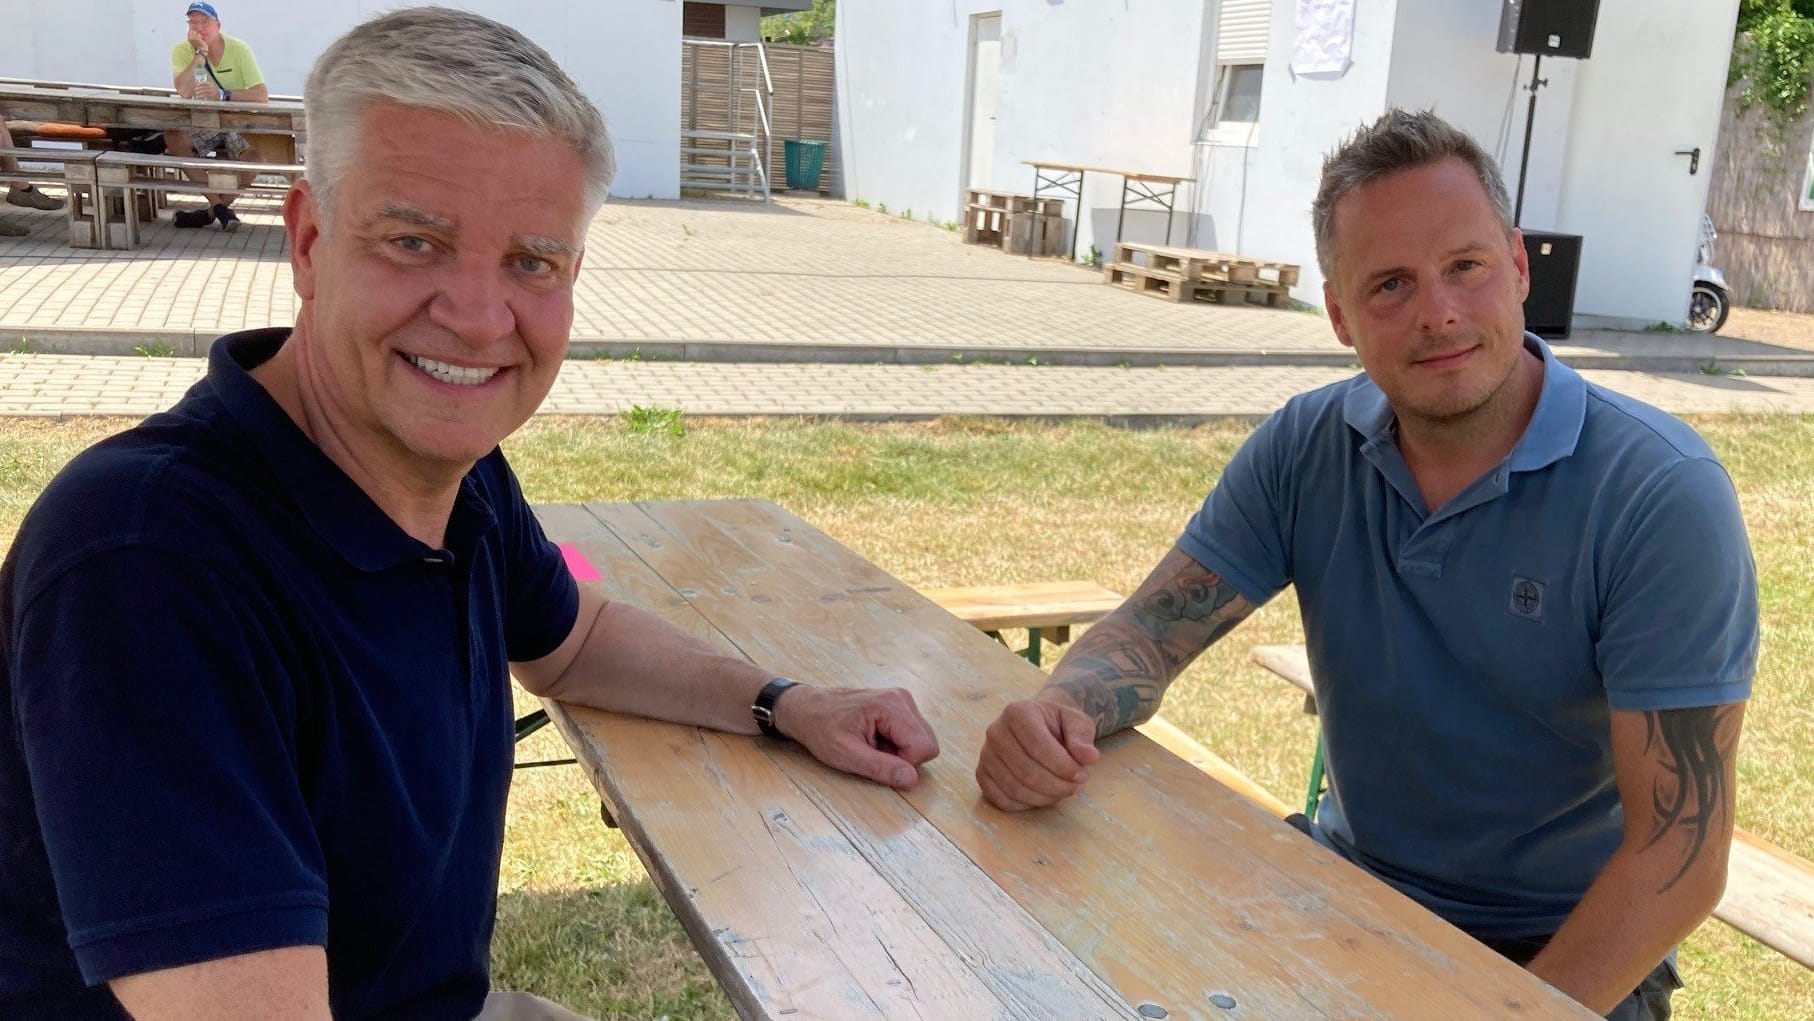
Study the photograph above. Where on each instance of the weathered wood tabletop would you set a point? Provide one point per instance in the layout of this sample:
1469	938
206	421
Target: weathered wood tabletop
1155	893
273	127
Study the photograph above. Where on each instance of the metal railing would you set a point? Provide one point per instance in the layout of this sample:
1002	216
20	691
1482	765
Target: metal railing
761	130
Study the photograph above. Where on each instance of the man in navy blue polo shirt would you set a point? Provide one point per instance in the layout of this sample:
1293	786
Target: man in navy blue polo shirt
1529	602
255	736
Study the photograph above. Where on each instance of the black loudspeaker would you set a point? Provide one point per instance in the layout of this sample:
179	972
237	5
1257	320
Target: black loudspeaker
1553	28
1549	309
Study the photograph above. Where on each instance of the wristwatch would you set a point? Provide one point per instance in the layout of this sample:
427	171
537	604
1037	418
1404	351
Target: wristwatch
764	709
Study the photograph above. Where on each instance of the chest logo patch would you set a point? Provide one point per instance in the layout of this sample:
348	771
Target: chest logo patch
1527	598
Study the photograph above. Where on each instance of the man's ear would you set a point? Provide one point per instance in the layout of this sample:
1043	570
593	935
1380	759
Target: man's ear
1333	305
302	219
1521	258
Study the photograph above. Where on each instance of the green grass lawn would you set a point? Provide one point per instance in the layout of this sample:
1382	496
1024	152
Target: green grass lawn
970	502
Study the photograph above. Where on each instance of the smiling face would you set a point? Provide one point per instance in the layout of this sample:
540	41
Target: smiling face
1428	288
437	302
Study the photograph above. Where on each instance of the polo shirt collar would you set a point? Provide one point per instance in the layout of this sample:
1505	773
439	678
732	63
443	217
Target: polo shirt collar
1554	429
341	513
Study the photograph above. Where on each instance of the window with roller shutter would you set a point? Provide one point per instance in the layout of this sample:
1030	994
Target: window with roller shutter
1243	29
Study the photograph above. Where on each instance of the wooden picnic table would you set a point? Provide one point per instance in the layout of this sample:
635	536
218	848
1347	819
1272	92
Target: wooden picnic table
1156	893
137	90
273	129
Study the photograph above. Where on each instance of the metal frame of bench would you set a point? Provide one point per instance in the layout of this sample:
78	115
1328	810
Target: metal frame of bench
1769	891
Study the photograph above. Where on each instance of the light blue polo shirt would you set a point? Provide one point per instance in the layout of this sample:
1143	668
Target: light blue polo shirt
1466	659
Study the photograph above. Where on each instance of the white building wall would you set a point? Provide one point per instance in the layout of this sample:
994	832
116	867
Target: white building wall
1654	85
1120	84
1443	58
742	24
625	54
1255	199
1083	82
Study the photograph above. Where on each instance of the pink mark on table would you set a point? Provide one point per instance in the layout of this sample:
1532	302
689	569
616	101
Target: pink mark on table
577	563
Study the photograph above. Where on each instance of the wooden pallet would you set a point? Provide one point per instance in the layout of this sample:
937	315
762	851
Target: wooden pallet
984	225
1198	264
1013	202
1174	286
1017	224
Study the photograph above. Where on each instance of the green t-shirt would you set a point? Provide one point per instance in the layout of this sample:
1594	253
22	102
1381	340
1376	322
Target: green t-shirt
237	69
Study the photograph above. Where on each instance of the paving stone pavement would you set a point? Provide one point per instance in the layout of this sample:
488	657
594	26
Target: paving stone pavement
72	385
800	279
803	307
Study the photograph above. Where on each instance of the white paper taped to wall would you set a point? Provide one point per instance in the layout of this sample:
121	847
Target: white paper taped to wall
1324	37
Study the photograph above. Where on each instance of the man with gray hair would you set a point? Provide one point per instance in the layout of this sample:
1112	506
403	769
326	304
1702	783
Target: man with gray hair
255	713
1529	602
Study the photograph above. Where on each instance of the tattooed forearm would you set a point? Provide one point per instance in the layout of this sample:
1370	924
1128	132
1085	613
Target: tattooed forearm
1117	675
1118	671
1693	748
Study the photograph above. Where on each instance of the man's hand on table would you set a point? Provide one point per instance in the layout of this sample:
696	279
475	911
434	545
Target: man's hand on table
1037	752
869	732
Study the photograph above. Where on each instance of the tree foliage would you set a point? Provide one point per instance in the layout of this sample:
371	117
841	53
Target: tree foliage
807	27
1774	56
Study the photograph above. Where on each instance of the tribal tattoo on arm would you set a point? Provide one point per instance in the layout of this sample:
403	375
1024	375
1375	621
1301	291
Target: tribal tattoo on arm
1118	671
1691	754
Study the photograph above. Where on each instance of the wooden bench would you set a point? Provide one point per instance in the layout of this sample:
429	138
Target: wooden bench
136	180
1046	609
53	166
1769	891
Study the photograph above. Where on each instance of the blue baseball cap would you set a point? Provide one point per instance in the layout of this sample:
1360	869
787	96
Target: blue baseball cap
201	8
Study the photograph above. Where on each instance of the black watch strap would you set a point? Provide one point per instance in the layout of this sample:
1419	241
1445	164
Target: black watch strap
764	708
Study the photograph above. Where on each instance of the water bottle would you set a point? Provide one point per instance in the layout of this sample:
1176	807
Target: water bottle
203	88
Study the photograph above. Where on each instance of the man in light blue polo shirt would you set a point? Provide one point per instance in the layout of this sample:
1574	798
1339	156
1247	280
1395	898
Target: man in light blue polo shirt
1529	602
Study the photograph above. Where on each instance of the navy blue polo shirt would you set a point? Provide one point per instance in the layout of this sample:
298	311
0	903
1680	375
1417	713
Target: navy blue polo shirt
1467	657
241	709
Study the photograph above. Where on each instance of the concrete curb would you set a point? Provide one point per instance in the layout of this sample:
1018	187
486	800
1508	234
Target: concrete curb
193	343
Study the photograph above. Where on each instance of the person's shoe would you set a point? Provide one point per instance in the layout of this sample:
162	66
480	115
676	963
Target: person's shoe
189	219
13	230
32	198
229	220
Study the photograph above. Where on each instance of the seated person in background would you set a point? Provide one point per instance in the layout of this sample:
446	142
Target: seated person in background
217	67
1529	602
20	194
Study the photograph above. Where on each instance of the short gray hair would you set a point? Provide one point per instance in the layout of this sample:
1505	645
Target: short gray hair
454	62
1399	140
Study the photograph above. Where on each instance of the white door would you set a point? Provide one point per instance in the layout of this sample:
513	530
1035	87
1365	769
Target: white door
985	88
1624	188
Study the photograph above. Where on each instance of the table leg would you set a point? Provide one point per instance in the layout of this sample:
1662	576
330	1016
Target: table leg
1121	217
1077	223
1316	777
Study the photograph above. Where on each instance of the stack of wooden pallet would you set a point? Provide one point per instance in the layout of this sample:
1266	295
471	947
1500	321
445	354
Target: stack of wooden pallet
1017	224
1189	274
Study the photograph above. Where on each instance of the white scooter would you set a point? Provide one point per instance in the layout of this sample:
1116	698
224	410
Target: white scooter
1708	301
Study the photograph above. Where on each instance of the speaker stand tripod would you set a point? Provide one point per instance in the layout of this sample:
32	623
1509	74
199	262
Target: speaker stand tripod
1530	116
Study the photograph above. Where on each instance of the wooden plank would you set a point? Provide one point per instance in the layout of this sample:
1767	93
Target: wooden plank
1192	751
1283	926
1770	897
1034	605
776	895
